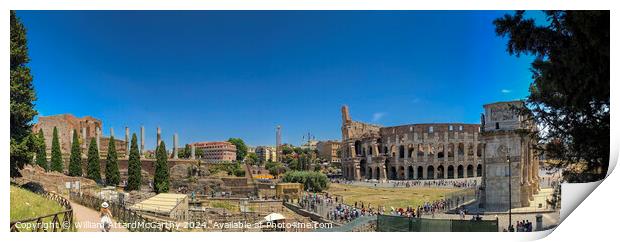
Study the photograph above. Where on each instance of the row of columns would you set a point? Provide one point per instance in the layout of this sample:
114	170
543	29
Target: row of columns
175	141
395	152
356	173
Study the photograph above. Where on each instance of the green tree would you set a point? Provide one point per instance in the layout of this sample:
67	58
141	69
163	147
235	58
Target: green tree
286	150
94	165
56	164
41	151
569	98
75	160
134	169
253	159
199	153
185	152
313	181
275	168
23	143
112	174
161	181
242	149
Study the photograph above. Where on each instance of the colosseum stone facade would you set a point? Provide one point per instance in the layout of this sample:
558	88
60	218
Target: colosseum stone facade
414	151
446	151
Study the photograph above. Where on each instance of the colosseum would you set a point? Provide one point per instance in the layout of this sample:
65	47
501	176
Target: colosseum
448	150
414	151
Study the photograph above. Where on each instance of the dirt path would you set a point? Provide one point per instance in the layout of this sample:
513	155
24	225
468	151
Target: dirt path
87	220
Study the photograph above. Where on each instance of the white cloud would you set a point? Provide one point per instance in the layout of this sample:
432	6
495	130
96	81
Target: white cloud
506	91
377	116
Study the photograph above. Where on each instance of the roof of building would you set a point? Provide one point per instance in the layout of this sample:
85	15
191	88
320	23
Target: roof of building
160	203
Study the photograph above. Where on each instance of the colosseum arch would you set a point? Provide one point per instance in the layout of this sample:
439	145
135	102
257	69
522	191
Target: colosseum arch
410	150
393	150
401	173
461	149
450	150
363	165
401	151
370	150
450	172
363	151
460	171
421	150
431	150
393	173
479	170
430	172
411	173
440	172
470	170
479	150
358	148
369	173
440	151
420	174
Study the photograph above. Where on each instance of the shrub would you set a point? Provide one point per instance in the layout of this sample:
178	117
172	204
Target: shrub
313	181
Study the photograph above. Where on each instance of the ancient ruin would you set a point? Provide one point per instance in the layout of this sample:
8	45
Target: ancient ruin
446	151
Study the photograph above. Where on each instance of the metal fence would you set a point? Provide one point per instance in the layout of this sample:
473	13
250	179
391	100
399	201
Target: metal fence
388	223
58	222
122	214
356	225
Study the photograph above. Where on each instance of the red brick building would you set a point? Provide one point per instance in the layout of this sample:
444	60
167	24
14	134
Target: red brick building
217	151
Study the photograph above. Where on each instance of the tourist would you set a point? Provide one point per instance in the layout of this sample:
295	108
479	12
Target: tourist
106	217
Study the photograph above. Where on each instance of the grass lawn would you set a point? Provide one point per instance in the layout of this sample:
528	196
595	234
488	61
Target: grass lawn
228	205
26	204
400	197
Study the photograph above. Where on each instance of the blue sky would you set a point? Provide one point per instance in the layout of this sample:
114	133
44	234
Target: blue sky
211	75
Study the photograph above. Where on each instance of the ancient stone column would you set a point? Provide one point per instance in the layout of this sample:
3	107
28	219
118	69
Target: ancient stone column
158	136
98	133
175	149
83	137
127	142
193	154
84	142
142	141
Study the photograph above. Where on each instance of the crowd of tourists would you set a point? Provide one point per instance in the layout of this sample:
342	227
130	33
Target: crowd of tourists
333	208
449	183
436	183
522	226
428	208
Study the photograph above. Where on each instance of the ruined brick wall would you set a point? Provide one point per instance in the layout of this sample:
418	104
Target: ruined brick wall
66	124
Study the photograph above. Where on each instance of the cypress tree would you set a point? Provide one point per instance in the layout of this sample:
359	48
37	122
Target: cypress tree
56	164
75	160
112	175
23	145
134	169
161	179
93	170
41	155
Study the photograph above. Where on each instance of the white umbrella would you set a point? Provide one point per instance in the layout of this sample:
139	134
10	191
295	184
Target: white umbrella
273	217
